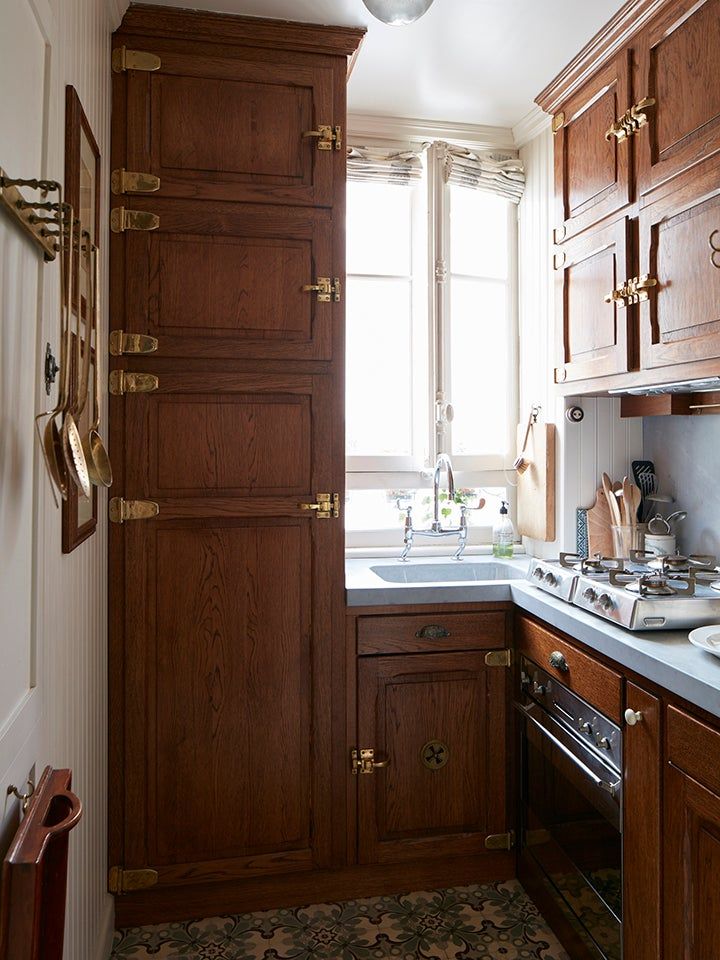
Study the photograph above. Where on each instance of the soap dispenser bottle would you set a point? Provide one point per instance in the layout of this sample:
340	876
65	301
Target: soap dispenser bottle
503	534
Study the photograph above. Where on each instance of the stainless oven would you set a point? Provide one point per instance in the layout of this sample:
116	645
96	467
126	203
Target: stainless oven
571	808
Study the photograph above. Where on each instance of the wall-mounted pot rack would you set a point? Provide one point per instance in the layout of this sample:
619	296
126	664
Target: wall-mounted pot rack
39	219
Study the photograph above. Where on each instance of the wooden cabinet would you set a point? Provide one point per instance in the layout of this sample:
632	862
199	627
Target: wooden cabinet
592	173
592	327
692	839
438	721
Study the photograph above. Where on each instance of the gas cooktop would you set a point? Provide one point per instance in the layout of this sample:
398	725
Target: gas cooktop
643	592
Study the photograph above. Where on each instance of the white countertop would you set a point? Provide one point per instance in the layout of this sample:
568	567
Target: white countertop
664	656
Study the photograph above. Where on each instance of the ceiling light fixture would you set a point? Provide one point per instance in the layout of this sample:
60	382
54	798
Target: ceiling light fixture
398	12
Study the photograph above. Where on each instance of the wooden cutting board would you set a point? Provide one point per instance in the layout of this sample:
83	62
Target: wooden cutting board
536	486
599	522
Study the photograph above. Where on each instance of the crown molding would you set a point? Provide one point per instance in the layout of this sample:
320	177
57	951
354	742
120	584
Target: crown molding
631	18
369	127
532	125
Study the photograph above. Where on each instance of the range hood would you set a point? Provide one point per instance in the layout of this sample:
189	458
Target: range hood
679	386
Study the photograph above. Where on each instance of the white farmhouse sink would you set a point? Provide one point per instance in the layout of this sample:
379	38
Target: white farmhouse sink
460	571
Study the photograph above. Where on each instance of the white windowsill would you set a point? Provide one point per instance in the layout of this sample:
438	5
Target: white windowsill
477	550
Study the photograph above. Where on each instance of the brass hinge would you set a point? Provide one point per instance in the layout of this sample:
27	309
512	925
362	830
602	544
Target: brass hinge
327	136
500	841
327	505
325	289
124	881
363	761
498	658
122	219
124	59
126	181
124	381
121	342
121	510
631	121
557	121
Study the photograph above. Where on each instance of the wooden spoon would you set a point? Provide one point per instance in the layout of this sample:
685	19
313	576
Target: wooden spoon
612	500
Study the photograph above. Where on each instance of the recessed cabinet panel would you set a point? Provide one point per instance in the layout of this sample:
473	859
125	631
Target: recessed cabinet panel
439	720
592	332
681	320
226	281
592	173
230	126
679	59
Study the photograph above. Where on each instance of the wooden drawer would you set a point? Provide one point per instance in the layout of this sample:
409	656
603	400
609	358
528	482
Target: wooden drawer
590	679
431	632
694	748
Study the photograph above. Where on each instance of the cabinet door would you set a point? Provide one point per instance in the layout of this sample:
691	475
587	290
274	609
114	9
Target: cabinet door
679	59
226	281
226	605
642	789
593	335
229	124
680	321
439	719
592	174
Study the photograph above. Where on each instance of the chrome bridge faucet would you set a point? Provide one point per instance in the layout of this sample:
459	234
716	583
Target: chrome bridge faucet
436	528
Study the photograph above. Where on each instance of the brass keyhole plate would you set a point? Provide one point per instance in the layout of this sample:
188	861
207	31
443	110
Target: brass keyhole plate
435	754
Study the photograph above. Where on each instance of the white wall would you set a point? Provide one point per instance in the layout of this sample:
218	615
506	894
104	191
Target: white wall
602	442
53	660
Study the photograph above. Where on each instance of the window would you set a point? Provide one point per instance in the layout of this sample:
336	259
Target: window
431	327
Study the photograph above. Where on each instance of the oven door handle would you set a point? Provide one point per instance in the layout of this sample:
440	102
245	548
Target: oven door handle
611	788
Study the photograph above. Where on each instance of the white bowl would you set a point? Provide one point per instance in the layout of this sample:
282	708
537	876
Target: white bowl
707	638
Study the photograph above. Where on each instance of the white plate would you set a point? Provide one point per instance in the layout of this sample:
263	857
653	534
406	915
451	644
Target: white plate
707	638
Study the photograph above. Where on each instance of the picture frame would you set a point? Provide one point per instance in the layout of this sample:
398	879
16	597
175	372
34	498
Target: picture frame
82	192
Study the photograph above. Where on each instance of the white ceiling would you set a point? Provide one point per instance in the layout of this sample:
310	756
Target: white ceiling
465	61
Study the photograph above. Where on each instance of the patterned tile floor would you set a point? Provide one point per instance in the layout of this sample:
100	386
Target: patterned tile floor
492	922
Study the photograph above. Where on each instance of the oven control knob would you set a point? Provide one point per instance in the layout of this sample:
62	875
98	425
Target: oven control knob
550	579
604	743
539	689
585	727
538	573
590	595
605	601
632	717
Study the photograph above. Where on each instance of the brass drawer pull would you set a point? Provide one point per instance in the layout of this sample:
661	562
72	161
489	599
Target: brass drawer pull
432	631
558	661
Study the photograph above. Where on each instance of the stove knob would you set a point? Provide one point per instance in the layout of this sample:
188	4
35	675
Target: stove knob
604	743
539	689
605	601
550	579
590	595
538	573
585	727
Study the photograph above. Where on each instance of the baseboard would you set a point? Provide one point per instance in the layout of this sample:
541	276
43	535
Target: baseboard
159	905
107	930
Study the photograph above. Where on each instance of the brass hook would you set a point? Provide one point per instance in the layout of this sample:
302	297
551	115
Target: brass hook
24	798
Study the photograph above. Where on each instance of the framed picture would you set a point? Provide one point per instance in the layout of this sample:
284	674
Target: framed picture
82	191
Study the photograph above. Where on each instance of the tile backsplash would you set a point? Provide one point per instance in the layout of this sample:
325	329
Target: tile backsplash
686	453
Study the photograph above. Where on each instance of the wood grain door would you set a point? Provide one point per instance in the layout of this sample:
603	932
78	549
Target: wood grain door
440	721
680	322
219	280
592	174
678	64
230	600
227	123
593	336
642	829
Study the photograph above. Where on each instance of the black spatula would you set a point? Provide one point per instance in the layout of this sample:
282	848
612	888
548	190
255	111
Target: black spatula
644	474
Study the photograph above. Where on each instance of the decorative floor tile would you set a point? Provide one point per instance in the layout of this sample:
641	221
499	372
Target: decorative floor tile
496	921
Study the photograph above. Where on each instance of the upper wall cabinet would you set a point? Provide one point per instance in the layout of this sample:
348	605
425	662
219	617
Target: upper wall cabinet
678	63
592	170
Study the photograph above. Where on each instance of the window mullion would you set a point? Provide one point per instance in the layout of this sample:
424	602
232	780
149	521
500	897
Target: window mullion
439	218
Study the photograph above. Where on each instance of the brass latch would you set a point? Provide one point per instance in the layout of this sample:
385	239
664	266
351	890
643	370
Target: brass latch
124	881
363	761
125	181
500	841
325	289
124	59
121	343
122	219
326	506
631	121
123	381
498	658
326	137
121	510
632	291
